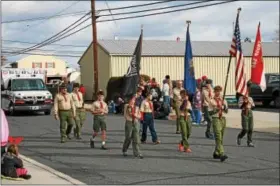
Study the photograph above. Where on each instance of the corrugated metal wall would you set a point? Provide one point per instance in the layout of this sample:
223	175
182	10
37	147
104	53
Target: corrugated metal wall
214	67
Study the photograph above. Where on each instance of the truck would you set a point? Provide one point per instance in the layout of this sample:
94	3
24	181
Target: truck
25	90
272	92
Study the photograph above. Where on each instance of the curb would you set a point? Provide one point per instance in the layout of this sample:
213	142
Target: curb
52	171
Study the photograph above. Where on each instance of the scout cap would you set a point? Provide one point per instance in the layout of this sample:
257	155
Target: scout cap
76	85
218	88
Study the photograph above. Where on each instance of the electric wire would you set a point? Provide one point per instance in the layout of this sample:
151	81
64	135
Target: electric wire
59	55
26	42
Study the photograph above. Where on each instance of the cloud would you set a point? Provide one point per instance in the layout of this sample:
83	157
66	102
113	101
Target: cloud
208	24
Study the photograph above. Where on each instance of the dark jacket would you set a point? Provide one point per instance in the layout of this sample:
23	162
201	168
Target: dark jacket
9	164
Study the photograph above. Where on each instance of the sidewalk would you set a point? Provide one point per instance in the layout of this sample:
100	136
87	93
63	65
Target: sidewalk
42	174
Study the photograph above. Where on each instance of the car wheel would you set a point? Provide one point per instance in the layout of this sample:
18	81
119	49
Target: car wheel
277	102
48	112
11	110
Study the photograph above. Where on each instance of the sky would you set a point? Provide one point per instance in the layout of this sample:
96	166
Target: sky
214	23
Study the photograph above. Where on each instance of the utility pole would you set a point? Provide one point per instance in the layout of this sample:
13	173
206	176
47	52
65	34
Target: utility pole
94	46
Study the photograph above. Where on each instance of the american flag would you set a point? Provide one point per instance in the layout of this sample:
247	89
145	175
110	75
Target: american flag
236	51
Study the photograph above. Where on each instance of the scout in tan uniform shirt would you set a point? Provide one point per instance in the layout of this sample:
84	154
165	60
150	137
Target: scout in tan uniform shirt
185	122
177	101
132	116
218	107
246	104
207	95
64	110
77	97
99	110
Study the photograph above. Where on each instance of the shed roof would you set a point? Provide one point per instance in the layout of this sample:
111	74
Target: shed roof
174	48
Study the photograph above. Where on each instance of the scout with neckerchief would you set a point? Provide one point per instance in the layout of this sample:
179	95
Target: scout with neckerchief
217	108
99	111
185	121
132	116
177	101
207	95
77	97
64	110
246	104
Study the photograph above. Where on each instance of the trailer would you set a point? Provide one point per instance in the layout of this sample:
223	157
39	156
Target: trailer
25	90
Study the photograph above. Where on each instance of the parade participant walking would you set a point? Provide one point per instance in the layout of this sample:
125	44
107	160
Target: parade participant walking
99	110
207	95
65	111
132	116
148	119
177	102
138	101
218	106
82	89
77	97
185	121
197	103
246	103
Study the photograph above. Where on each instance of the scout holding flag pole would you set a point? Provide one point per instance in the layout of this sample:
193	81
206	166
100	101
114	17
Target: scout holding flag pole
77	97
99	110
64	110
246	103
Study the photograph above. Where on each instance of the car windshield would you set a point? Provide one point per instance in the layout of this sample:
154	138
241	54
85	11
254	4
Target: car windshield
27	84
274	79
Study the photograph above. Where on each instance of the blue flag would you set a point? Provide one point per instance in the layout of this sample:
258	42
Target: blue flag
189	78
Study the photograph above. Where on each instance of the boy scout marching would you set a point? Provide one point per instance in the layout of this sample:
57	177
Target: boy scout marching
69	110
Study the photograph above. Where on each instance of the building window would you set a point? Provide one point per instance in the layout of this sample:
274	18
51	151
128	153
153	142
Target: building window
50	65
36	65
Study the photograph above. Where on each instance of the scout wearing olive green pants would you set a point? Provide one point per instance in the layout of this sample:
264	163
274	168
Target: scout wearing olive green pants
246	104
185	122
177	101
64	110
99	110
80	111
207	95
132	116
218	107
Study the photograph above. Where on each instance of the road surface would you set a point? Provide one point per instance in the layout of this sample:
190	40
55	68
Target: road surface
162	164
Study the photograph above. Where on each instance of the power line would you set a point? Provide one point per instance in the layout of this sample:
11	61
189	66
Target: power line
25	42
6	52
44	50
132	17
153	9
42	18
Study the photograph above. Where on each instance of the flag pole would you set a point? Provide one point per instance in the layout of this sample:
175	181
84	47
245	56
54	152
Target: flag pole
229	63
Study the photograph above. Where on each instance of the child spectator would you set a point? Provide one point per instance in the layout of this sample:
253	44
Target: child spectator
12	165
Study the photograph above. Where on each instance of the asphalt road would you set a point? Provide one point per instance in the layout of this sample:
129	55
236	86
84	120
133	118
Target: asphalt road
162	164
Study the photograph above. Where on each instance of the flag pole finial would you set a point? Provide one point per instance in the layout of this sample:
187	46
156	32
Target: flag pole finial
239	10
188	22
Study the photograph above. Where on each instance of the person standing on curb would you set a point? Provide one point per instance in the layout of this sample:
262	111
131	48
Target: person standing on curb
166	94
4	132
177	102
207	95
77	97
217	107
185	122
132	116
197	103
65	111
99	110
147	115
246	104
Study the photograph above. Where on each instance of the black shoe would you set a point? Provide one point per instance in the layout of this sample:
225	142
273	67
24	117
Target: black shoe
75	132
238	141
178	132
68	137
78	137
103	147
250	144
26	177
207	135
211	136
91	143
215	156
223	158
124	154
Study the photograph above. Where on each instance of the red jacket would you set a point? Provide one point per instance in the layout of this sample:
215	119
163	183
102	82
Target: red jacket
82	90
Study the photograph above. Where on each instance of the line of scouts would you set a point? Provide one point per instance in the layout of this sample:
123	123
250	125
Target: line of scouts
69	109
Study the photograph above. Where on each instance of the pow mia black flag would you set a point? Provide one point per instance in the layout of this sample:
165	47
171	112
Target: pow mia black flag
131	79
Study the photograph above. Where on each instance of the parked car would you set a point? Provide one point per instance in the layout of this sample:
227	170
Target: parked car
270	94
